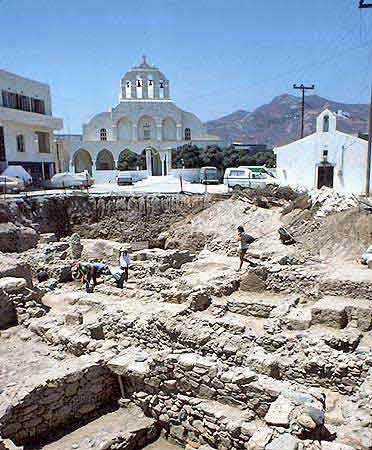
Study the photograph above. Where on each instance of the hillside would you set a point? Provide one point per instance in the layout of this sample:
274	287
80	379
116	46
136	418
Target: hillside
278	123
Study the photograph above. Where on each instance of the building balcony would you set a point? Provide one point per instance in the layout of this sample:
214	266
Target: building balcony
30	119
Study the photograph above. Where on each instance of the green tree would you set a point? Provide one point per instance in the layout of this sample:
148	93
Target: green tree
128	160
188	155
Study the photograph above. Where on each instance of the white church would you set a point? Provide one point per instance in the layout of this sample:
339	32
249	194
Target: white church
327	157
146	122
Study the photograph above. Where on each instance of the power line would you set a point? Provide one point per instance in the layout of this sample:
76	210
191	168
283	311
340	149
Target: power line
364	5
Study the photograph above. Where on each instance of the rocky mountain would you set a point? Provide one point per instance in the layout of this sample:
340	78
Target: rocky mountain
278	122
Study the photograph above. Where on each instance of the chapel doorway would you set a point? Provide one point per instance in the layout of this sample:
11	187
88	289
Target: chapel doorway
325	176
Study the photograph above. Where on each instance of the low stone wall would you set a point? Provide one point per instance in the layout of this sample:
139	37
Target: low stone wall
76	391
197	376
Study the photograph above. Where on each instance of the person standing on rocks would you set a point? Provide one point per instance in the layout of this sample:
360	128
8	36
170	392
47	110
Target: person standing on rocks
125	262
245	240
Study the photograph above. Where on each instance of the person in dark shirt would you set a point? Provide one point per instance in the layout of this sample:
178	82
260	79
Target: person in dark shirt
245	240
88	272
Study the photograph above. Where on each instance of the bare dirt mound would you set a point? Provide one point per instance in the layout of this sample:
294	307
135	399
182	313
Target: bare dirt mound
343	235
215	227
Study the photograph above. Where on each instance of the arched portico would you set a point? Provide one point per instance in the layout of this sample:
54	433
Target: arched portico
82	161
158	161
105	160
128	160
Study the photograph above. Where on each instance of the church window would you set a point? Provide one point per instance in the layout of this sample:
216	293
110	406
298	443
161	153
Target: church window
325	124
103	134
150	88
187	134
161	89
139	88
128	89
146	131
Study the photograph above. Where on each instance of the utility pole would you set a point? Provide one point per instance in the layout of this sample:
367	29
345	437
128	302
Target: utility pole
364	5
303	89
369	147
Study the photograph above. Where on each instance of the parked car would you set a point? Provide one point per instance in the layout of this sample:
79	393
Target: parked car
71	180
18	172
246	177
208	175
11	185
124	179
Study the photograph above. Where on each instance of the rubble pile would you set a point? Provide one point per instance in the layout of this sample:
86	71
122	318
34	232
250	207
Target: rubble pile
191	353
326	201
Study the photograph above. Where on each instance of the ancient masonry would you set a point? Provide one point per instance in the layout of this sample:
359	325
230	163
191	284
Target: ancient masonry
190	354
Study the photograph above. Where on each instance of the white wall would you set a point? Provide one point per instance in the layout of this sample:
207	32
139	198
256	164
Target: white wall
31	154
109	176
20	85
191	175
91	130
297	162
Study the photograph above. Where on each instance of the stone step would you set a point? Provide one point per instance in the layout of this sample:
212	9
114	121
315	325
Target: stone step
340	312
348	280
124	428
262	305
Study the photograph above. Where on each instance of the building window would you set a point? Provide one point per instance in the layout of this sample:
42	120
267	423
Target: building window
139	84
43	141
20	143
2	145
128	89
161	89
146	131
150	88
37	106
25	103
325	124
22	102
103	134
187	134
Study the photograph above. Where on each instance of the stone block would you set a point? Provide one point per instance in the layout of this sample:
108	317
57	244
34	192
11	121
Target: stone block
12	285
47	238
284	442
73	318
298	319
279	412
329	311
338	312
251	282
260	438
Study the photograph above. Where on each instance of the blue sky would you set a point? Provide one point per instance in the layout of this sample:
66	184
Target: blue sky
219	55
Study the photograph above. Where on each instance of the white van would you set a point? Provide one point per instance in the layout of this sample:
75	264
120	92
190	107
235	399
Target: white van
246	177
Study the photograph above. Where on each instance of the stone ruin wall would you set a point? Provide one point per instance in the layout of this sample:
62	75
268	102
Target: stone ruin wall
129	217
67	396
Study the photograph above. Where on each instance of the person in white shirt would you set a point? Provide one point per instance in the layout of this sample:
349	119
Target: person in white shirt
367	255
125	262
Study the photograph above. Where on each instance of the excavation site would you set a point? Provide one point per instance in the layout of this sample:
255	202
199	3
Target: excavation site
125	322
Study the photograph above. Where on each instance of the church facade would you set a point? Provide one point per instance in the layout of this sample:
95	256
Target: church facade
144	127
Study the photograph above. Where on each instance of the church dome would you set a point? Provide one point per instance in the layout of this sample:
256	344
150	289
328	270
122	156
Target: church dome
144	81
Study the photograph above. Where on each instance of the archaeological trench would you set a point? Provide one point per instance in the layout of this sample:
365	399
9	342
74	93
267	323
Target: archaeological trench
191	354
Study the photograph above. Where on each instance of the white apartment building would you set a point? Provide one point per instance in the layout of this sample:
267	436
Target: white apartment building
27	125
